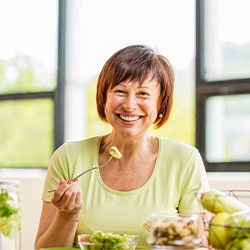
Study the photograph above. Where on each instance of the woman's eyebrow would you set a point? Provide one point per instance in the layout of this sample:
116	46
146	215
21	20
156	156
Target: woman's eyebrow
120	84
150	87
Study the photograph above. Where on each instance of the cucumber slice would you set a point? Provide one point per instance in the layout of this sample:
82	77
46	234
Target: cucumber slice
115	152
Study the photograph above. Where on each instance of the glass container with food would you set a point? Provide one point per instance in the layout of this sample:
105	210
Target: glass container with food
174	231
10	216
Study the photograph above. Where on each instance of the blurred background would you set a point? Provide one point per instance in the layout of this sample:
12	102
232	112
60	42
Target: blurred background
51	52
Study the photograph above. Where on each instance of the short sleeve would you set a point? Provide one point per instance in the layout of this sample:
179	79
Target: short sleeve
57	170
194	181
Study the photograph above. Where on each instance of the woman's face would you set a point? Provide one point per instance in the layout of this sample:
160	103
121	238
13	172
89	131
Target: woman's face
132	108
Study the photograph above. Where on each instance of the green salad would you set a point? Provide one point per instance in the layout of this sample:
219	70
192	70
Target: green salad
107	241
10	219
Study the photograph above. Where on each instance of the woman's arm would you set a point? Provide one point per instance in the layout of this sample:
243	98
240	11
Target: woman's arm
59	218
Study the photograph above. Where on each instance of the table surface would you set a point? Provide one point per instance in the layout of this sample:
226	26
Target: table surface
70	248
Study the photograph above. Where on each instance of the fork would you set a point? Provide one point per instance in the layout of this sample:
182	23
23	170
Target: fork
114	153
84	172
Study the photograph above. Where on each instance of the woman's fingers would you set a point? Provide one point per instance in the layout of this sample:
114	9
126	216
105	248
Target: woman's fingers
68	196
72	202
79	200
60	191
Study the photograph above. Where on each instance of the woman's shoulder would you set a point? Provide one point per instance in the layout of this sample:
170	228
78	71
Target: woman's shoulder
87	144
175	145
180	154
83	143
173	148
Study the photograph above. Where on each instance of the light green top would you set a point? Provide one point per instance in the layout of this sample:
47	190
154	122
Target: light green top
178	174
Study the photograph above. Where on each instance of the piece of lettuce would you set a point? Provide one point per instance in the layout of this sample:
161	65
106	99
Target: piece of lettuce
107	241
10	226
10	218
7	205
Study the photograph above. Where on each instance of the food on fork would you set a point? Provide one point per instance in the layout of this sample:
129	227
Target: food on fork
115	152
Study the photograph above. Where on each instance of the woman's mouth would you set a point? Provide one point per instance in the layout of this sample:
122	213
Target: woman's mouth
130	118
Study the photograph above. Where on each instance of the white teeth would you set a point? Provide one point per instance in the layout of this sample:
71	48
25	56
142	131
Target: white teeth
130	118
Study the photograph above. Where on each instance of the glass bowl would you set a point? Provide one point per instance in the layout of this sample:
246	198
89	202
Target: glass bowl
103	241
173	231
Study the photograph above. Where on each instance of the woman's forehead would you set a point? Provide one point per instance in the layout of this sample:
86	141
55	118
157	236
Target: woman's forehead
151	84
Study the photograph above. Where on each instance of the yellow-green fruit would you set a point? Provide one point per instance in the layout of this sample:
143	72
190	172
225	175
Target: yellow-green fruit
239	224
239	244
217	232
216	201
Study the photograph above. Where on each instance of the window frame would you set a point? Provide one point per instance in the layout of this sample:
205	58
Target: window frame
205	89
57	95
61	76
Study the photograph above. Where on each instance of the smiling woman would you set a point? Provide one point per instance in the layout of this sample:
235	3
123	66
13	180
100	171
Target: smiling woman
153	174
132	104
137	82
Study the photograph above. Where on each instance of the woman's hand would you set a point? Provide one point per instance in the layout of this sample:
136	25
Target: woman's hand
60	215
68	200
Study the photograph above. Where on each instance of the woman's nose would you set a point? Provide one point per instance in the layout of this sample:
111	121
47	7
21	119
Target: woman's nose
129	103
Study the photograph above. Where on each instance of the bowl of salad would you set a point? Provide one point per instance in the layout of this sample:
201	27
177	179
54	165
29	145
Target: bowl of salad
107	241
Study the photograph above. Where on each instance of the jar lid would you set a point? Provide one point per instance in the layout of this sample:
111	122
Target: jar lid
9	182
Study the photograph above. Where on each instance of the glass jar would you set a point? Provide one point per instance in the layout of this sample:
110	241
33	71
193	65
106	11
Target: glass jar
172	231
10	215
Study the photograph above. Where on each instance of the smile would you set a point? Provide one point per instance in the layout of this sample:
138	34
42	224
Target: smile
129	118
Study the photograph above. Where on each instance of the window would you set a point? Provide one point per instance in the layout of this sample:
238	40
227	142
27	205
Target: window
223	84
29	82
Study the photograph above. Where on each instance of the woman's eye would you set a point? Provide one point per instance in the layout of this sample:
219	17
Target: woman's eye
143	94
119	91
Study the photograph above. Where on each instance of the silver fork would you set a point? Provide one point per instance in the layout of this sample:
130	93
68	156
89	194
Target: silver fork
86	171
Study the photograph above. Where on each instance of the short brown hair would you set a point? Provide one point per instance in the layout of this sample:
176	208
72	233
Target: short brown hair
136	63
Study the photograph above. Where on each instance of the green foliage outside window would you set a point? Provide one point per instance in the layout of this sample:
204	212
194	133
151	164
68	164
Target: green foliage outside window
26	133
26	126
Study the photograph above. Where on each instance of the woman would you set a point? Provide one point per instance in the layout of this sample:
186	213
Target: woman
154	174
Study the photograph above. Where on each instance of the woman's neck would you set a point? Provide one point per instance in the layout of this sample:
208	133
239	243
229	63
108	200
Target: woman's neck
128	147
